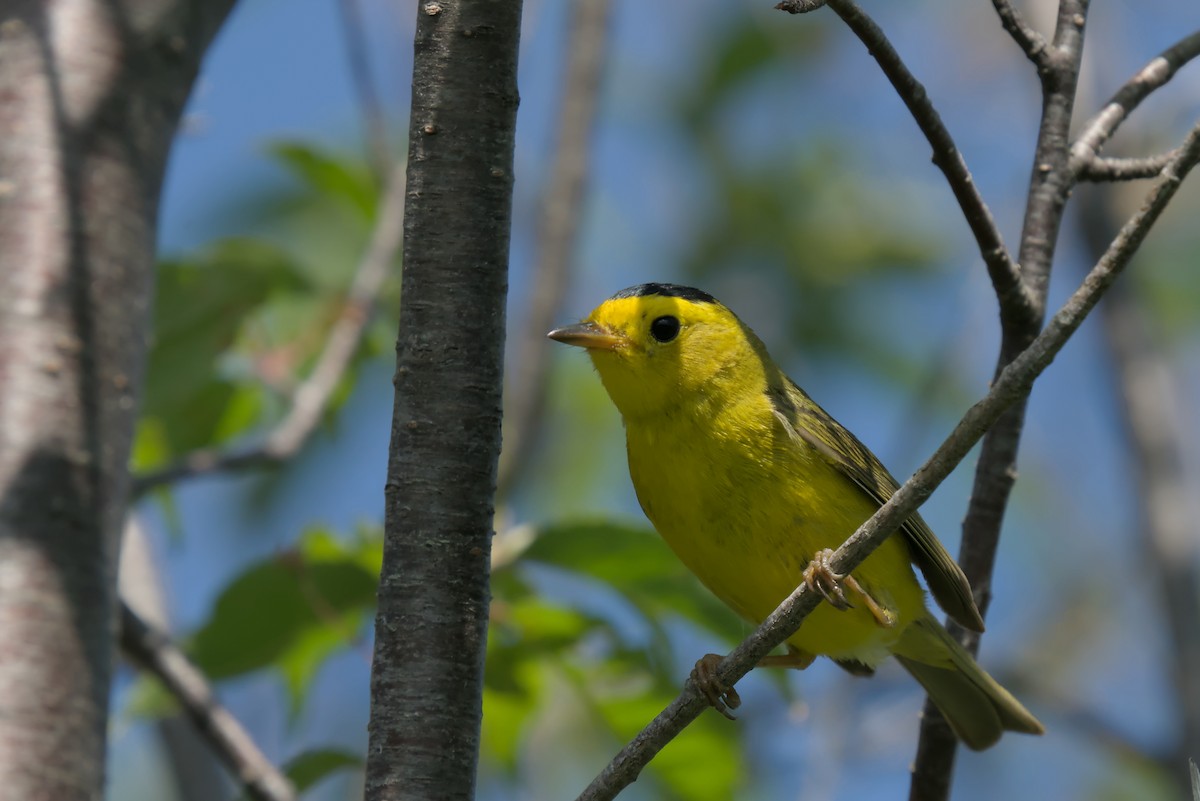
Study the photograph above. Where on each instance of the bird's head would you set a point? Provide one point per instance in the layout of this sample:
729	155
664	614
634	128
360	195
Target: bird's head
663	348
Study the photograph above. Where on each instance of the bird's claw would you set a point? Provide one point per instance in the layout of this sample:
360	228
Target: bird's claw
704	676
820	577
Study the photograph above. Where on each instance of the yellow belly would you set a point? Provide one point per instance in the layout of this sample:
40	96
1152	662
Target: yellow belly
747	517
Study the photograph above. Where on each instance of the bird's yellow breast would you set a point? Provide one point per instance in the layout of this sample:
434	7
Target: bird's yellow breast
745	506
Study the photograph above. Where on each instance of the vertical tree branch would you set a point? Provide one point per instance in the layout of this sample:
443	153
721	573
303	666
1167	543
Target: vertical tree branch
431	625
1050	184
91	96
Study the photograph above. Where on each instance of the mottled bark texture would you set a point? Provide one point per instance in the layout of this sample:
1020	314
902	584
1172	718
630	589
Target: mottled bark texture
90	93
431	628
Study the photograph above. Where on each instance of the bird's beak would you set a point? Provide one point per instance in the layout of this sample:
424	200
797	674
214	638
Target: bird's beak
587	335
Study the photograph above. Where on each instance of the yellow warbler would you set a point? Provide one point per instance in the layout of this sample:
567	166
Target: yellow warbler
749	481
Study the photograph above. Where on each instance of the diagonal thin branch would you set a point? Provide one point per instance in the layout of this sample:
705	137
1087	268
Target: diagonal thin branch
1005	275
799	6
1098	130
313	395
562	208
1011	385
1102	168
154	651
1032	43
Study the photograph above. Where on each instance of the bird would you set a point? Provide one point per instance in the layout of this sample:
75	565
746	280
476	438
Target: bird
753	485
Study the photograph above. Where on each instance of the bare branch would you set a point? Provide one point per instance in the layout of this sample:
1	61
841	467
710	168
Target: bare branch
1005	275
1125	169
1049	187
1099	129
312	396
1029	40
154	651
558	229
1011	385
799	6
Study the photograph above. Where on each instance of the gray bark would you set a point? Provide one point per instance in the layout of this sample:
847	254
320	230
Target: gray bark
90	93
430	632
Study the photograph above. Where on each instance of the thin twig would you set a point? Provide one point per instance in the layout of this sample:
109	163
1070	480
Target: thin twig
995	474
1125	169
561	211
313	395
1005	275
1011	385
1032	43
799	6
154	651
1097	131
358	55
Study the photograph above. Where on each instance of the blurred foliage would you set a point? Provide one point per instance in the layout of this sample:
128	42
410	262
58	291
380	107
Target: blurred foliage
309	768
794	216
293	611
290	613
238	324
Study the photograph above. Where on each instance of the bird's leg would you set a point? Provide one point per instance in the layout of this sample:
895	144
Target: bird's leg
886	618
821	577
704	676
794	658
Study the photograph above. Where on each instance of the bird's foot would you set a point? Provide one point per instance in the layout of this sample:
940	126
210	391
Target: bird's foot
820	577
704	676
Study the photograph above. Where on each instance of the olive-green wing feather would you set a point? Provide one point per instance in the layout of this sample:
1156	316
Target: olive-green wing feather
839	447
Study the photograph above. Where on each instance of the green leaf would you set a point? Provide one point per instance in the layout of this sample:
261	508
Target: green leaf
702	762
290	612
635	562
148	699
705	761
344	179
525	637
310	767
201	306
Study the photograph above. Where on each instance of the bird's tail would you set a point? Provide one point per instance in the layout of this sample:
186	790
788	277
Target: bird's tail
975	705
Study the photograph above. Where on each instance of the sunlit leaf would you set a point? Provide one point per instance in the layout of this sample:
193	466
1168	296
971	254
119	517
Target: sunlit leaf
330	175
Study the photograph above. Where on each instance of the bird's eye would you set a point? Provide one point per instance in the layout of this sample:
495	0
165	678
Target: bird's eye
665	328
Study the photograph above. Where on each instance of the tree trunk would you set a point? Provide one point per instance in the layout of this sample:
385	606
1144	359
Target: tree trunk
431	627
90	93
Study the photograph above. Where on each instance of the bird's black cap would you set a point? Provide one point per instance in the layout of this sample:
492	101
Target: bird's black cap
667	291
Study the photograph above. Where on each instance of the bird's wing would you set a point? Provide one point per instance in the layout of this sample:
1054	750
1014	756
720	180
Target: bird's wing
843	450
